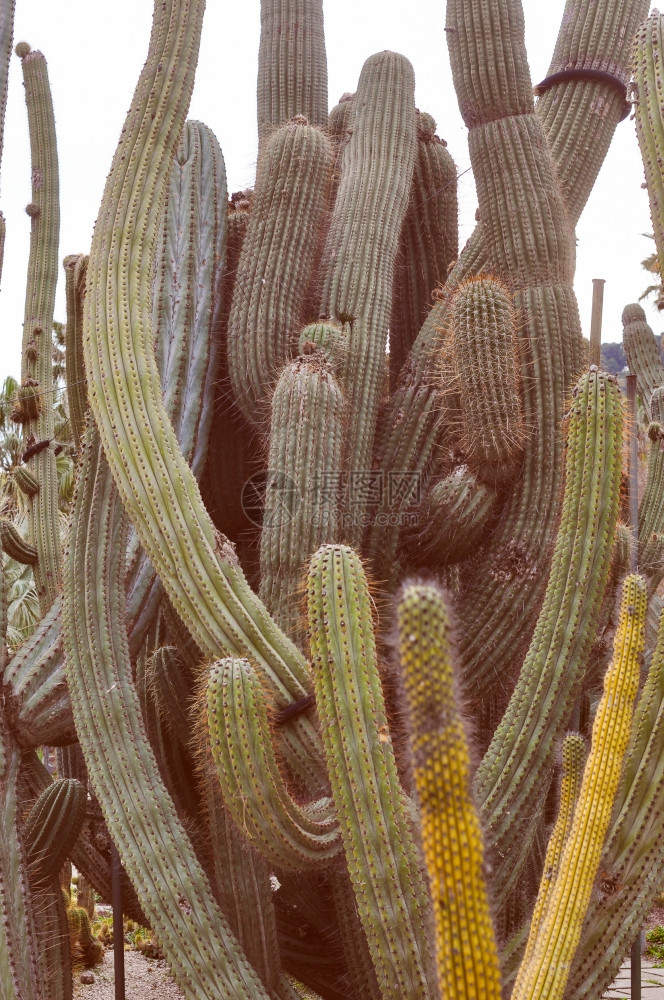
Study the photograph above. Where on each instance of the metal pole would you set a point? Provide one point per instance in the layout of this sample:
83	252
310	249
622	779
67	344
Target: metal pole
635	970
635	953
118	928
633	475
594	354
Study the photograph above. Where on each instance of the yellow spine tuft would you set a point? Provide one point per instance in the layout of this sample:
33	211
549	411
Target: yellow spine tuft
466	952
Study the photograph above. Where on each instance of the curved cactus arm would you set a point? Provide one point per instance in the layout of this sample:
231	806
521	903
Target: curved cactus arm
383	863
37	360
642	353
204	955
188	268
545	973
583	110
288	835
292	65
513	775
15	545
76	266
466	950
216	603
376	173
198	568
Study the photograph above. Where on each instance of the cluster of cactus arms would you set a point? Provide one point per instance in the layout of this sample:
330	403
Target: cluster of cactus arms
312	434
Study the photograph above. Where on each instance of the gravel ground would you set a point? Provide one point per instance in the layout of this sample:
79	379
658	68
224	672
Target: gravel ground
145	979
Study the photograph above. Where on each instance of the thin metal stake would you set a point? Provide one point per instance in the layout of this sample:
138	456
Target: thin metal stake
595	352
118	927
635	970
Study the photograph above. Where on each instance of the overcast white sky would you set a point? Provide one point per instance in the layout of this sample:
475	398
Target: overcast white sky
95	52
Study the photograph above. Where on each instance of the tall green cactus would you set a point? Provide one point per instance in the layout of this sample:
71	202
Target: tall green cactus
250	755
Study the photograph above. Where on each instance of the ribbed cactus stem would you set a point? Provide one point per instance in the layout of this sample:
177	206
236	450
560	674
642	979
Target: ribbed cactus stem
466	950
633	855
642	353
382	860
76	267
52	826
530	243
6	35
273	287
376	173
429	240
648	75
546	973
15	545
302	507
36	365
189	266
570	113
573	758
484	343
580	114
292	65
523	745
651	507
19	971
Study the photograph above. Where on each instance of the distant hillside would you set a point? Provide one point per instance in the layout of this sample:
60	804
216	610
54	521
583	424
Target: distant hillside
613	355
613	358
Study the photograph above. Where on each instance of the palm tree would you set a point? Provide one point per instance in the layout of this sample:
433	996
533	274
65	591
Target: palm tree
651	264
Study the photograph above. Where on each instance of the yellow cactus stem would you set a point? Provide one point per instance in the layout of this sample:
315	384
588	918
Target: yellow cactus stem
466	952
573	754
552	944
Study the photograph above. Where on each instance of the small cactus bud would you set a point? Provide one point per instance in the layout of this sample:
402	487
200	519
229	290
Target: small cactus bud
22	49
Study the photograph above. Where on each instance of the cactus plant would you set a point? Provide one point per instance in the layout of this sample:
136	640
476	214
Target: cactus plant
281	843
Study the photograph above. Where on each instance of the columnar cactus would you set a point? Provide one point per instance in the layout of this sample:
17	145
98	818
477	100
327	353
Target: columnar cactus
239	710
